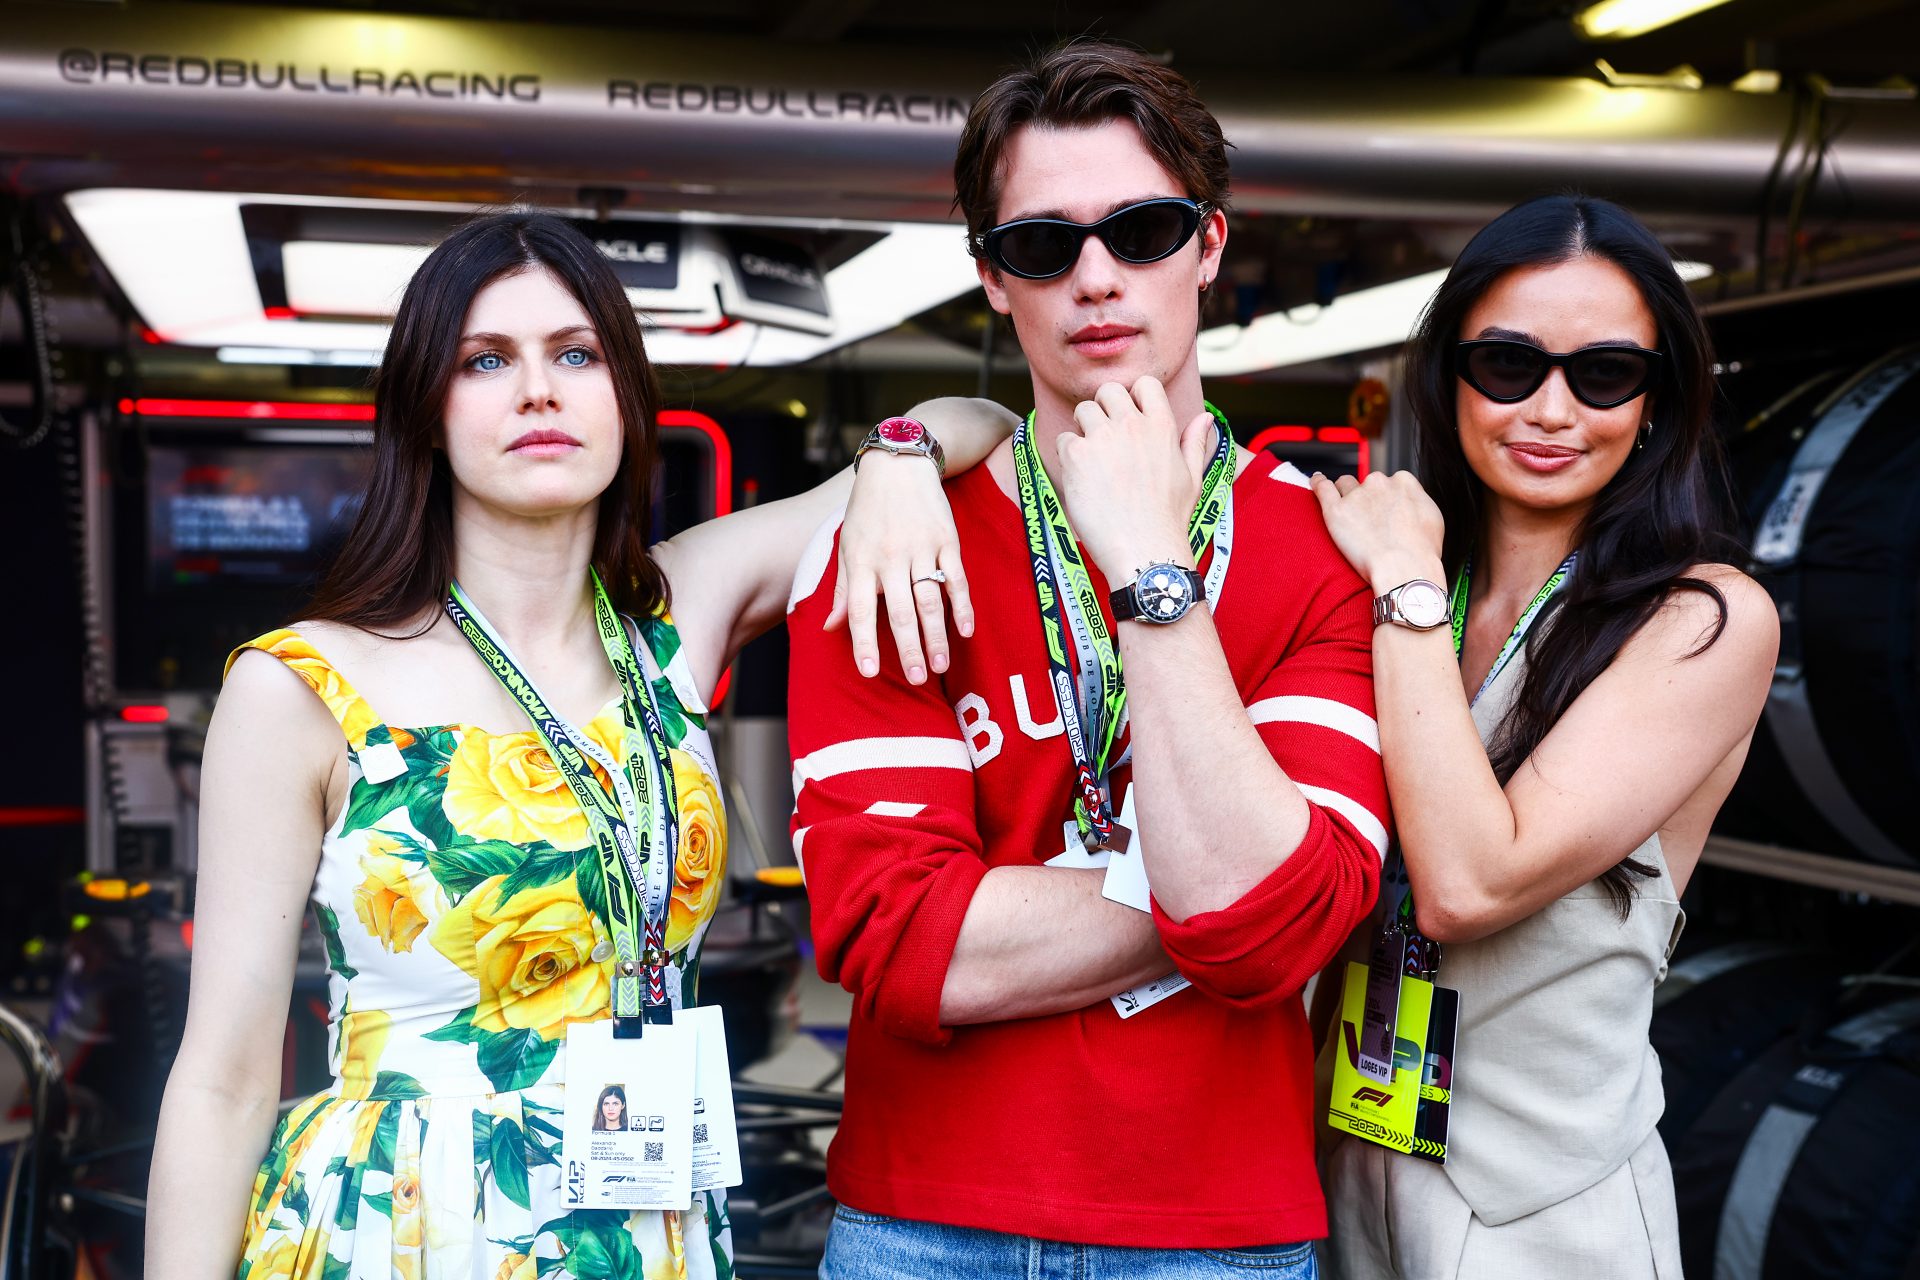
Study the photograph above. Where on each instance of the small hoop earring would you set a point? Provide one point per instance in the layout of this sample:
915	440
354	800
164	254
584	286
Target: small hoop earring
1646	430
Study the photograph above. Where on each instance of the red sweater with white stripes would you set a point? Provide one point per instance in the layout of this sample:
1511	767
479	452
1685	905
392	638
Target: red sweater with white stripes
1189	1124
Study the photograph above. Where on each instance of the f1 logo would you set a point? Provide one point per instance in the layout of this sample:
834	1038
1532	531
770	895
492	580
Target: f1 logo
1378	1097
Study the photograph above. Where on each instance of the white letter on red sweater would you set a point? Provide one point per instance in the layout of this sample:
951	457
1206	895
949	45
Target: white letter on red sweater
1023	714
984	737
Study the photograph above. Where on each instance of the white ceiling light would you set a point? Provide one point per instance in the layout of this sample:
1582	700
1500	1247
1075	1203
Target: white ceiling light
1358	321
328	278
181	259
1624	19
1364	320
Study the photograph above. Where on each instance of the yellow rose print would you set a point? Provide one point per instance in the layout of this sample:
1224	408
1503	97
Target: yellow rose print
506	787
532	954
277	1262
354	715
515	1266
406	1204
700	870
363	1035
387	903
366	1122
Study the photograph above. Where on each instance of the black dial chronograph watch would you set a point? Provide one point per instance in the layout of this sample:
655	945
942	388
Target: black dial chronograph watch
1163	593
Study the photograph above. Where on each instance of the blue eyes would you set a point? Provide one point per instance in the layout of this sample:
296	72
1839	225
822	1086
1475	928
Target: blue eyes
493	361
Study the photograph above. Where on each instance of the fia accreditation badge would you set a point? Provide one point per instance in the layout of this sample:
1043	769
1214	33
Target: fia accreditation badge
1406	1112
627	1139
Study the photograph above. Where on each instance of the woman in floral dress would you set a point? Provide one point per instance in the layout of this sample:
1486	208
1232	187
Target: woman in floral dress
452	871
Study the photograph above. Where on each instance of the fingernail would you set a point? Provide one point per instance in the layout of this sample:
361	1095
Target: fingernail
939	663
916	674
868	666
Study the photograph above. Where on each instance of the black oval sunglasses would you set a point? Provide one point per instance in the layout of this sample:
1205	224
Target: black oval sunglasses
1507	371
1042	248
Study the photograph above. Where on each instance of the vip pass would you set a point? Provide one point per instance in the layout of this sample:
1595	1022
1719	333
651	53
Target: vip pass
635	829
1068	604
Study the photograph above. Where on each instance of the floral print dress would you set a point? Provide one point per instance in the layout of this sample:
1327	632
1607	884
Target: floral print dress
460	900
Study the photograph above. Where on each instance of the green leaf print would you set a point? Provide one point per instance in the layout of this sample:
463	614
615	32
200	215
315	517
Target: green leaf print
717	1224
459	1031
662	639
395	1084
295	1201
510	1163
336	1268
460	868
381	1204
380	1155
514	1059
603	1250
547	1266
591	884
539	865
330	935
429	819
674	718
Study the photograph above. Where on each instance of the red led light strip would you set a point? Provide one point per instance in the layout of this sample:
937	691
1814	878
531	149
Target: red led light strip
1323	435
260	410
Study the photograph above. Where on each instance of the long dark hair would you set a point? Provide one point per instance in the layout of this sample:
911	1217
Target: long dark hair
600	1115
398	558
1662	514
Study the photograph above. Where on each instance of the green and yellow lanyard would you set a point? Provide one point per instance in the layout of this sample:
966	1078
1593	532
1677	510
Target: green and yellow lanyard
1093	717
635	830
1421	955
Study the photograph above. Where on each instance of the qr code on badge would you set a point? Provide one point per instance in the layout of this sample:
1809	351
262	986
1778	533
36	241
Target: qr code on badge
699	1133
656	1152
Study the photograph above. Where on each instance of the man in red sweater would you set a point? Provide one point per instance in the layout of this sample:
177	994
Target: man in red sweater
1053	1068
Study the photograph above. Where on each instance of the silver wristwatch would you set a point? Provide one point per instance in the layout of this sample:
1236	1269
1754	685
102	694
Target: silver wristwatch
1419	604
903	435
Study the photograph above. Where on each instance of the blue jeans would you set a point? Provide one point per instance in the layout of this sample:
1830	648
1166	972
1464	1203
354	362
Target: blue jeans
865	1246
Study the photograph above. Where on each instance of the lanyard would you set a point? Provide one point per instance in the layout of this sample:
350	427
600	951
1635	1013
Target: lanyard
1457	612
1421	955
1092	716
635	837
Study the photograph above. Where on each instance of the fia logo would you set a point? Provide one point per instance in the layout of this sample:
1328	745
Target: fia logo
1378	1097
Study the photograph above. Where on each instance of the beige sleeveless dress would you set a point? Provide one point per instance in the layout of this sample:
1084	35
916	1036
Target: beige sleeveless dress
1554	1167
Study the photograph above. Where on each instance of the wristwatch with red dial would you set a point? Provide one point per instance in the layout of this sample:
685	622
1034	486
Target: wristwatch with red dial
903	435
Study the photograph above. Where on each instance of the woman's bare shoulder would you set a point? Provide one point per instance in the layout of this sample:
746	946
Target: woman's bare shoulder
1733	618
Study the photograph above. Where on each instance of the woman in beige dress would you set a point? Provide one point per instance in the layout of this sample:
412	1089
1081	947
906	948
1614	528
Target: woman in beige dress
1554	769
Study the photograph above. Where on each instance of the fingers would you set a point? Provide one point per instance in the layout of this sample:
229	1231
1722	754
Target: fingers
1115	401
1196	444
837	616
1346	485
861	589
1151	398
1089	417
959	595
931	605
903	620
